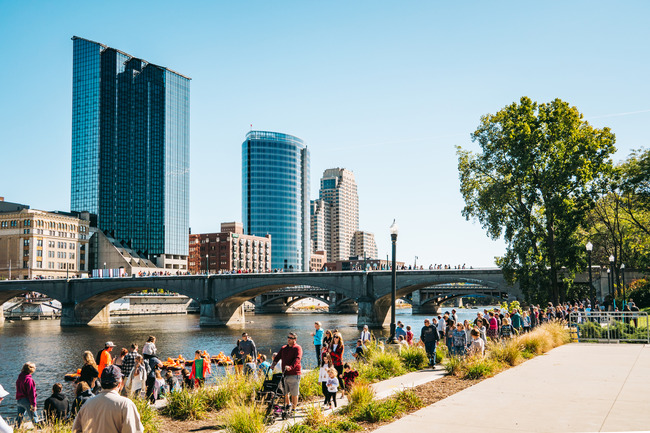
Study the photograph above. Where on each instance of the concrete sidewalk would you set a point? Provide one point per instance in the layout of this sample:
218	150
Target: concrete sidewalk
574	388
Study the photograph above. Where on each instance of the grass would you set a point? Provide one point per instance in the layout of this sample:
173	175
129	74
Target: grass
414	357
50	426
148	415
185	404
245	418
381	366
409	399
508	351
310	387
231	389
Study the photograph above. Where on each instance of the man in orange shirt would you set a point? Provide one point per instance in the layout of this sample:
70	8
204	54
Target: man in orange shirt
105	357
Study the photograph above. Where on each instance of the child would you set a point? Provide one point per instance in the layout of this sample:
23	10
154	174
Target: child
477	346
506	328
349	375
200	369
172	382
264	366
158	386
460	340
409	335
332	387
250	367
188	383
323	374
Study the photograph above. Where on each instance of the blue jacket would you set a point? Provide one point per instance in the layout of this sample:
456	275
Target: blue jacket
318	337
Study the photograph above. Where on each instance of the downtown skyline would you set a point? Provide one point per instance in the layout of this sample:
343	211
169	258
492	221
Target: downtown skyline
385	90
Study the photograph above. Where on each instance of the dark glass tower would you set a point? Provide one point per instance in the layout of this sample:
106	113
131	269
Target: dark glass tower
275	190
130	148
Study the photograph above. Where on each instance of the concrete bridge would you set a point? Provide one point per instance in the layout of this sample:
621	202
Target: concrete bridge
221	297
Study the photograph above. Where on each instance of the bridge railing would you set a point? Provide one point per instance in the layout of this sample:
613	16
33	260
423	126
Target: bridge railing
610	326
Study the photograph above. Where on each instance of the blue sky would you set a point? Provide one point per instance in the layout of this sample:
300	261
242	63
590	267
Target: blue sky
386	89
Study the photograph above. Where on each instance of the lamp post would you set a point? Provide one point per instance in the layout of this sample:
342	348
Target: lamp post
393	293
623	281
415	263
207	265
611	274
592	290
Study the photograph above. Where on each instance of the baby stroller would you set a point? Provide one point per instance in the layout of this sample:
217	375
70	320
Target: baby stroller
272	395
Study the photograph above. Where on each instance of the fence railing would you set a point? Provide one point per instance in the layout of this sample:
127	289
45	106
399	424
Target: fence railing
610	326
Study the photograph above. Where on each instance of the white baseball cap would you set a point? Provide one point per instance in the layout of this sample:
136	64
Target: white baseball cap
3	393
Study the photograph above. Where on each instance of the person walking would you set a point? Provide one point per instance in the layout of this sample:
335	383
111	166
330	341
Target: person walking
365	334
56	406
246	348
26	394
429	336
336	352
108	412
318	341
290	355
4	427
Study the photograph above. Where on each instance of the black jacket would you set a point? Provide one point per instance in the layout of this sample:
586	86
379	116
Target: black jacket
56	406
80	400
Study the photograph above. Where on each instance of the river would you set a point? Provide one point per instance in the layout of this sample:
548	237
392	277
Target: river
57	351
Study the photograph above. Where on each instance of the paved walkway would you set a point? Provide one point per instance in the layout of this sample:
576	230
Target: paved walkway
574	388
382	389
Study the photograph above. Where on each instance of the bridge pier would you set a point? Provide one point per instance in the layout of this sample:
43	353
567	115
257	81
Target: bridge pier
2	316
428	308
223	313
375	314
74	315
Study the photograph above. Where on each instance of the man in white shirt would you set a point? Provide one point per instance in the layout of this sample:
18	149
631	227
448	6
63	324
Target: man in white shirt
108	411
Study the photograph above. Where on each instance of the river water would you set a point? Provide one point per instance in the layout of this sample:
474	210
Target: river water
57	351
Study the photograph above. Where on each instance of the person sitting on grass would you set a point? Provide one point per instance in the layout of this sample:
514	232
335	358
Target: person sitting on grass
332	388
56	406
477	346
359	352
250	367
349	376
188	383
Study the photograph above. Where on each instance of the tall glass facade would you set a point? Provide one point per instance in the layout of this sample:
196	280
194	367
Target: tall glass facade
275	190
130	148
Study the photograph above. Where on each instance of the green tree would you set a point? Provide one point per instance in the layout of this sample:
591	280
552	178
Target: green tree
533	183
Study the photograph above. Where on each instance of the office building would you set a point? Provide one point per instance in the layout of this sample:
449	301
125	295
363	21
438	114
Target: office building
130	151
40	244
335	215
364	245
275	196
230	250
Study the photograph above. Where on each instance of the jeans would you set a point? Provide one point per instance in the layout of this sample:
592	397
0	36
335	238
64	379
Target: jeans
24	407
430	348
318	347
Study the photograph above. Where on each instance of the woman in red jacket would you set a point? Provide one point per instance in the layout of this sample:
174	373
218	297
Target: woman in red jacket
26	394
336	352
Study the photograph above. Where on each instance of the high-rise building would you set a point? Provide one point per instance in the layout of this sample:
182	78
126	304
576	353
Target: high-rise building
335	214
364	245
130	150
275	196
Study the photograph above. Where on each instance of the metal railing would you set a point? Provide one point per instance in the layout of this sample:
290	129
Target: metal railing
609	326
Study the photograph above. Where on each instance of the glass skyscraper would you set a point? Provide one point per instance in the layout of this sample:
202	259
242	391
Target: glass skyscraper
275	196
130	148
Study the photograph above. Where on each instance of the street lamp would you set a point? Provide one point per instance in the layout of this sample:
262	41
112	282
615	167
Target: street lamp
611	266
393	294
589	248
207	265
623	281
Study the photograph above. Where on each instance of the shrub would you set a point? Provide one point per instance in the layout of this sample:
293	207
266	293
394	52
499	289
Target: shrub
442	352
479	367
382	365
185	404
314	417
148	415
230	389
508	351
414	357
360	394
409	399
453	365
376	411
245	418
52	426
310	386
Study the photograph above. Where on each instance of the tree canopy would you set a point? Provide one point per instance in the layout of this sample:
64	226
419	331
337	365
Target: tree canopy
533	183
